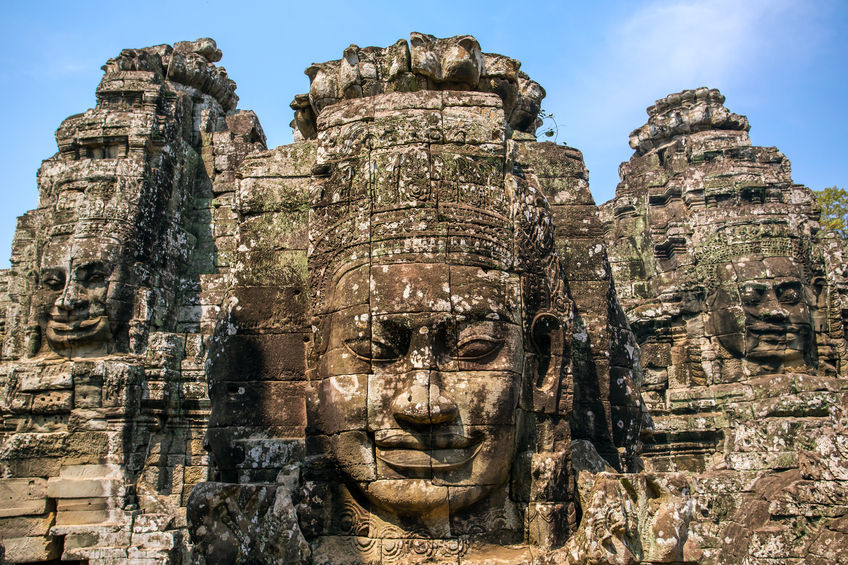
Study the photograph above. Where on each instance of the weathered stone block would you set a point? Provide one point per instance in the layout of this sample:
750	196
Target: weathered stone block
22	497
26	526
31	549
265	357
270	403
52	402
83	488
50	378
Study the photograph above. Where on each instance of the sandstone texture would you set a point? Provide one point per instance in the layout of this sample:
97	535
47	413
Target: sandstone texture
113	292
737	301
402	338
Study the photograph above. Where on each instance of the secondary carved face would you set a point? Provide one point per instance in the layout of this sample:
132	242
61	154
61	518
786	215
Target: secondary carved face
420	382
763	312
77	287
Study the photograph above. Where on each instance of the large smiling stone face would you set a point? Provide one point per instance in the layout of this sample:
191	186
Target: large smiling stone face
762	312
78	295
420	382
430	268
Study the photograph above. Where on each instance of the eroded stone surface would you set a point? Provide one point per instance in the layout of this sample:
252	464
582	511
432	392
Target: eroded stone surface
418	243
424	63
736	300
103	399
398	340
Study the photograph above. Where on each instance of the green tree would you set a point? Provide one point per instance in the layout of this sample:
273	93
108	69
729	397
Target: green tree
834	209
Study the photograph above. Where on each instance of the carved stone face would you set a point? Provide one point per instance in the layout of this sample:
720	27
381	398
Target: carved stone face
762	311
77	292
420	382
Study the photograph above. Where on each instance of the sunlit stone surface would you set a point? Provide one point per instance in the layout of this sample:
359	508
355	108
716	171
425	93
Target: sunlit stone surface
737	300
398	339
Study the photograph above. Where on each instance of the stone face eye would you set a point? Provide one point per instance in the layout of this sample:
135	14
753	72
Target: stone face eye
360	347
383	351
789	295
93	273
369	350
478	347
751	294
53	281
95	277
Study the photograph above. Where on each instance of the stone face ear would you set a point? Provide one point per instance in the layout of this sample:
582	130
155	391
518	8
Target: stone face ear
548	335
547	332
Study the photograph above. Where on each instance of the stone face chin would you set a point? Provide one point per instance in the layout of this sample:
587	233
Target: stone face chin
79	335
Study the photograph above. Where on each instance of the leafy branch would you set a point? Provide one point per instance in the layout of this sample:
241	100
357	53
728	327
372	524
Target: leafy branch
834	209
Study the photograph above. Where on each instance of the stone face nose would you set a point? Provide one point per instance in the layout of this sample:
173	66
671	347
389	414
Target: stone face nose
72	296
424	405
772	310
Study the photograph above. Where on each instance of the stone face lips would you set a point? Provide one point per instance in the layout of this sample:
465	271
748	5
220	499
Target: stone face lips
736	300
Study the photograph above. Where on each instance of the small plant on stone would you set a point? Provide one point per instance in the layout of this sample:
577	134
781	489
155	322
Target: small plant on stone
550	124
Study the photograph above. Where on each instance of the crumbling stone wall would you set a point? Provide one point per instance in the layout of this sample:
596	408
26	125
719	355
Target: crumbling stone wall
737	304
109	304
399	339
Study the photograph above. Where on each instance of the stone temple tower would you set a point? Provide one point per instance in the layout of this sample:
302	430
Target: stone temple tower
410	336
737	300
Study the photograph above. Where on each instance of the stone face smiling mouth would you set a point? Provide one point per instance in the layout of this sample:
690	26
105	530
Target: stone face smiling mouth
75	325
436	452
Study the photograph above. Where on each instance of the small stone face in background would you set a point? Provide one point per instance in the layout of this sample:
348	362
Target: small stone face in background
81	296
736	297
762	311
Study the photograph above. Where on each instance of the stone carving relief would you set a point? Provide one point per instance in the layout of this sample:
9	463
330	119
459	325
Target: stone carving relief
96	436
79	294
398	339
436	305
424	63
438	384
735	300
759	301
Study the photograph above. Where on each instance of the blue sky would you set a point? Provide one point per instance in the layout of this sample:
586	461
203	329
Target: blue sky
780	62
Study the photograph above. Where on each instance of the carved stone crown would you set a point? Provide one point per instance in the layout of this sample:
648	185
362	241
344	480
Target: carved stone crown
424	63
763	240
682	113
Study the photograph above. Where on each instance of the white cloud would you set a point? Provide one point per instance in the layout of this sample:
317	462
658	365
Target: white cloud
662	47
688	41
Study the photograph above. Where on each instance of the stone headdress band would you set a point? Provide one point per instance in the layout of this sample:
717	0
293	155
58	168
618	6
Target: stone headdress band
507	227
764	240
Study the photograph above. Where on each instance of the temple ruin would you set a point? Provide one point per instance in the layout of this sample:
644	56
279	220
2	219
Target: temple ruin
410	336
